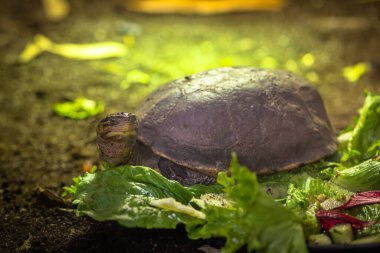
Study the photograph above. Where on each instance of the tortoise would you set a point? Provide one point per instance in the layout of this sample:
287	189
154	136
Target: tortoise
188	128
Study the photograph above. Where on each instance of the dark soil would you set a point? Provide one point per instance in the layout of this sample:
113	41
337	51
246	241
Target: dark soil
41	152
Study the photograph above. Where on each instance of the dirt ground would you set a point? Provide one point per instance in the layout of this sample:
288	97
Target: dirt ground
40	151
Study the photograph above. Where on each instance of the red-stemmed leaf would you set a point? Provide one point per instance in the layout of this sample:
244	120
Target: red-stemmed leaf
329	218
362	198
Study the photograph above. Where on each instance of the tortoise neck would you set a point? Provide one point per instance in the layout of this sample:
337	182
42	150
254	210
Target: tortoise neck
117	150
116	138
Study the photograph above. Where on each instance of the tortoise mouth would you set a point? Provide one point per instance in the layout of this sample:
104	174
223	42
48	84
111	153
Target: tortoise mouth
119	124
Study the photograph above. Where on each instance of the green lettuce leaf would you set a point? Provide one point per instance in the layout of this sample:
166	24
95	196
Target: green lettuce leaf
125	193
367	213
255	219
305	197
137	196
364	141
80	108
362	177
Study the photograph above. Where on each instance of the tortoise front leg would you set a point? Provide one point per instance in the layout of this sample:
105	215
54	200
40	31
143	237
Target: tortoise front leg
183	174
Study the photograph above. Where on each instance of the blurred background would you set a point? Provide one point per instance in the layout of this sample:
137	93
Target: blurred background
65	64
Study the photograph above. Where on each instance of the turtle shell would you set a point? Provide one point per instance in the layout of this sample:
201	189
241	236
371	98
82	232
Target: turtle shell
273	120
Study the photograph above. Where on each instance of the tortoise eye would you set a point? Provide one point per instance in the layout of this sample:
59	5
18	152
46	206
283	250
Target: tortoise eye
113	121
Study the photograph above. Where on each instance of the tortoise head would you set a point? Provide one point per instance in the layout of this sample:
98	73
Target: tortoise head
116	138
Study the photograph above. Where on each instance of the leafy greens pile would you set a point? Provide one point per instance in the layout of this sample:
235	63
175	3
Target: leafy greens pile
276	215
140	197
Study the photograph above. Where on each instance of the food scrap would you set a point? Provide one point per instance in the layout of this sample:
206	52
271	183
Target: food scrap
90	51
80	108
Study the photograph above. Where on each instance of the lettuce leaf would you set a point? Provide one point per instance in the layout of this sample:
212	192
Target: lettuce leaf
362	177
364	140
367	213
256	219
137	196
80	108
124	194
306	198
